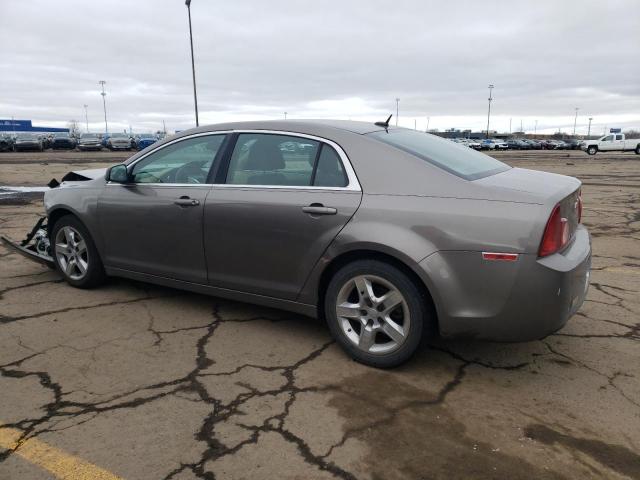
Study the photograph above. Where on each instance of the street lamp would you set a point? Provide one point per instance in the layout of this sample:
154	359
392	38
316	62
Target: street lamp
86	116
589	130
489	112
104	105
285	115
397	110
575	120
193	65
535	129
428	120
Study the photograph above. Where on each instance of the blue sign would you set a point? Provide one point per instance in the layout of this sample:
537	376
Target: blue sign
615	130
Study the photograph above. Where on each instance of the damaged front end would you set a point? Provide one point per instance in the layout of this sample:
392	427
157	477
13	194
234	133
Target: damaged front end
36	245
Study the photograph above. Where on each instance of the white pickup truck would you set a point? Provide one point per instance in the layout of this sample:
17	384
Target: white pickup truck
611	142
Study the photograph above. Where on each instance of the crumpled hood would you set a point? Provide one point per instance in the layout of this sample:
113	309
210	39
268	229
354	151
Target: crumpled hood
81	175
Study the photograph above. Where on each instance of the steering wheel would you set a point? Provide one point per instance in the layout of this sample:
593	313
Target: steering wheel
189	173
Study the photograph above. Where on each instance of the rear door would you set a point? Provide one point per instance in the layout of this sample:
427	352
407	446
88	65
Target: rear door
278	202
153	224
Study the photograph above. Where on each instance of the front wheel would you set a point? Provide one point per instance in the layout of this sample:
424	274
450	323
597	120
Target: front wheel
592	150
376	313
638	149
75	254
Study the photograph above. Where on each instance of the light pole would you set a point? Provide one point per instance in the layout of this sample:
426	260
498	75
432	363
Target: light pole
86	116
397	110
535	129
415	124
575	120
193	64
489	112
589	130
285	115
510	124
104	105
428	120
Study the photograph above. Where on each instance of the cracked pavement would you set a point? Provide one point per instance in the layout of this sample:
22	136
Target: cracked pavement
153	383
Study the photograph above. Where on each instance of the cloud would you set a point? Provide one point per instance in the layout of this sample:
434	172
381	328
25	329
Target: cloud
341	59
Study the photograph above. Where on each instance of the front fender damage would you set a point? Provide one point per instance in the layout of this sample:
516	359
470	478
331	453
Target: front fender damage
35	246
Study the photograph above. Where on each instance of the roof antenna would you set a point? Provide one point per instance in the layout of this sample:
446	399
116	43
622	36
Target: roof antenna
384	124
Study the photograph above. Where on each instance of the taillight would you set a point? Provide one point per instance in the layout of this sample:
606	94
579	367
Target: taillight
556	233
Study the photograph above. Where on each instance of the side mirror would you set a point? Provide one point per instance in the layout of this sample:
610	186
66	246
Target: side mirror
118	174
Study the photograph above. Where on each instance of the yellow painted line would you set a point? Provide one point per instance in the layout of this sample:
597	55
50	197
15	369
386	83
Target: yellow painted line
61	464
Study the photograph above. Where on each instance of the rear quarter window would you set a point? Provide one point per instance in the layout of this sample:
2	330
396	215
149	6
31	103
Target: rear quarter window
452	157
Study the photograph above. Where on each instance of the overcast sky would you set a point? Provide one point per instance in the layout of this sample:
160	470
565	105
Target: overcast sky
332	58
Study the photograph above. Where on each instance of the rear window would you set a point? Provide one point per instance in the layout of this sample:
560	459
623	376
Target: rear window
452	157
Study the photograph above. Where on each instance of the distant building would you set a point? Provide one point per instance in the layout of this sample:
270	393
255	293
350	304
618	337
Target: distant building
25	126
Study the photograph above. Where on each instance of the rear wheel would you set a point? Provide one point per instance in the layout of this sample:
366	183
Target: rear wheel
638	149
75	254
592	150
376	313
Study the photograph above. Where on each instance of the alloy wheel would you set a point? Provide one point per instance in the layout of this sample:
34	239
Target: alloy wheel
373	314
72	253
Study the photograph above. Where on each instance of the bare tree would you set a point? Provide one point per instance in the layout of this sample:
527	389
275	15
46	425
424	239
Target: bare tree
74	129
632	133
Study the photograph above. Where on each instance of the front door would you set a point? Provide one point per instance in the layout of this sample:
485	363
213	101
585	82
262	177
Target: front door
283	200
154	223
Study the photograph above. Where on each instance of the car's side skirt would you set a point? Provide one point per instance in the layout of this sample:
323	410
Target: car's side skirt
296	307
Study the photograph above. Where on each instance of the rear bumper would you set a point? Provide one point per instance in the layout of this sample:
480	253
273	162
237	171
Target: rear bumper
509	301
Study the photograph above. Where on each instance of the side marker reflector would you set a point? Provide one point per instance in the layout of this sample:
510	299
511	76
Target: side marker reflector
505	257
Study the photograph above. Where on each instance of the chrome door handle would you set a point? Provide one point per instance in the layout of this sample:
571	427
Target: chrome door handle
319	209
186	202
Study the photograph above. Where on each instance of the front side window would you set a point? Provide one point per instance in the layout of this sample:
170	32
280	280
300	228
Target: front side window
608	138
452	157
187	161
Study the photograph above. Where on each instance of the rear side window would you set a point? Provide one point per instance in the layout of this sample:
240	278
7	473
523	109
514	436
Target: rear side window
618	137
283	160
452	157
329	172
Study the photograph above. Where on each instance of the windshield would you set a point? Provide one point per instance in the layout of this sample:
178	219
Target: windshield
26	136
92	136
457	159
119	135
61	135
146	135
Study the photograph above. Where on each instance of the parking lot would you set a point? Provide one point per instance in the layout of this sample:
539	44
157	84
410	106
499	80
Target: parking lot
141	382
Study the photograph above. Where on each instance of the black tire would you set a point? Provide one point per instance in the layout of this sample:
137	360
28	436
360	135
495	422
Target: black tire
592	150
94	275
638	149
418	306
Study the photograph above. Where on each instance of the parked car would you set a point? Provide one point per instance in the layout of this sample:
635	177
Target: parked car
27	141
119	141
62	140
573	143
143	140
612	142
517	144
6	143
493	144
326	233
89	141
